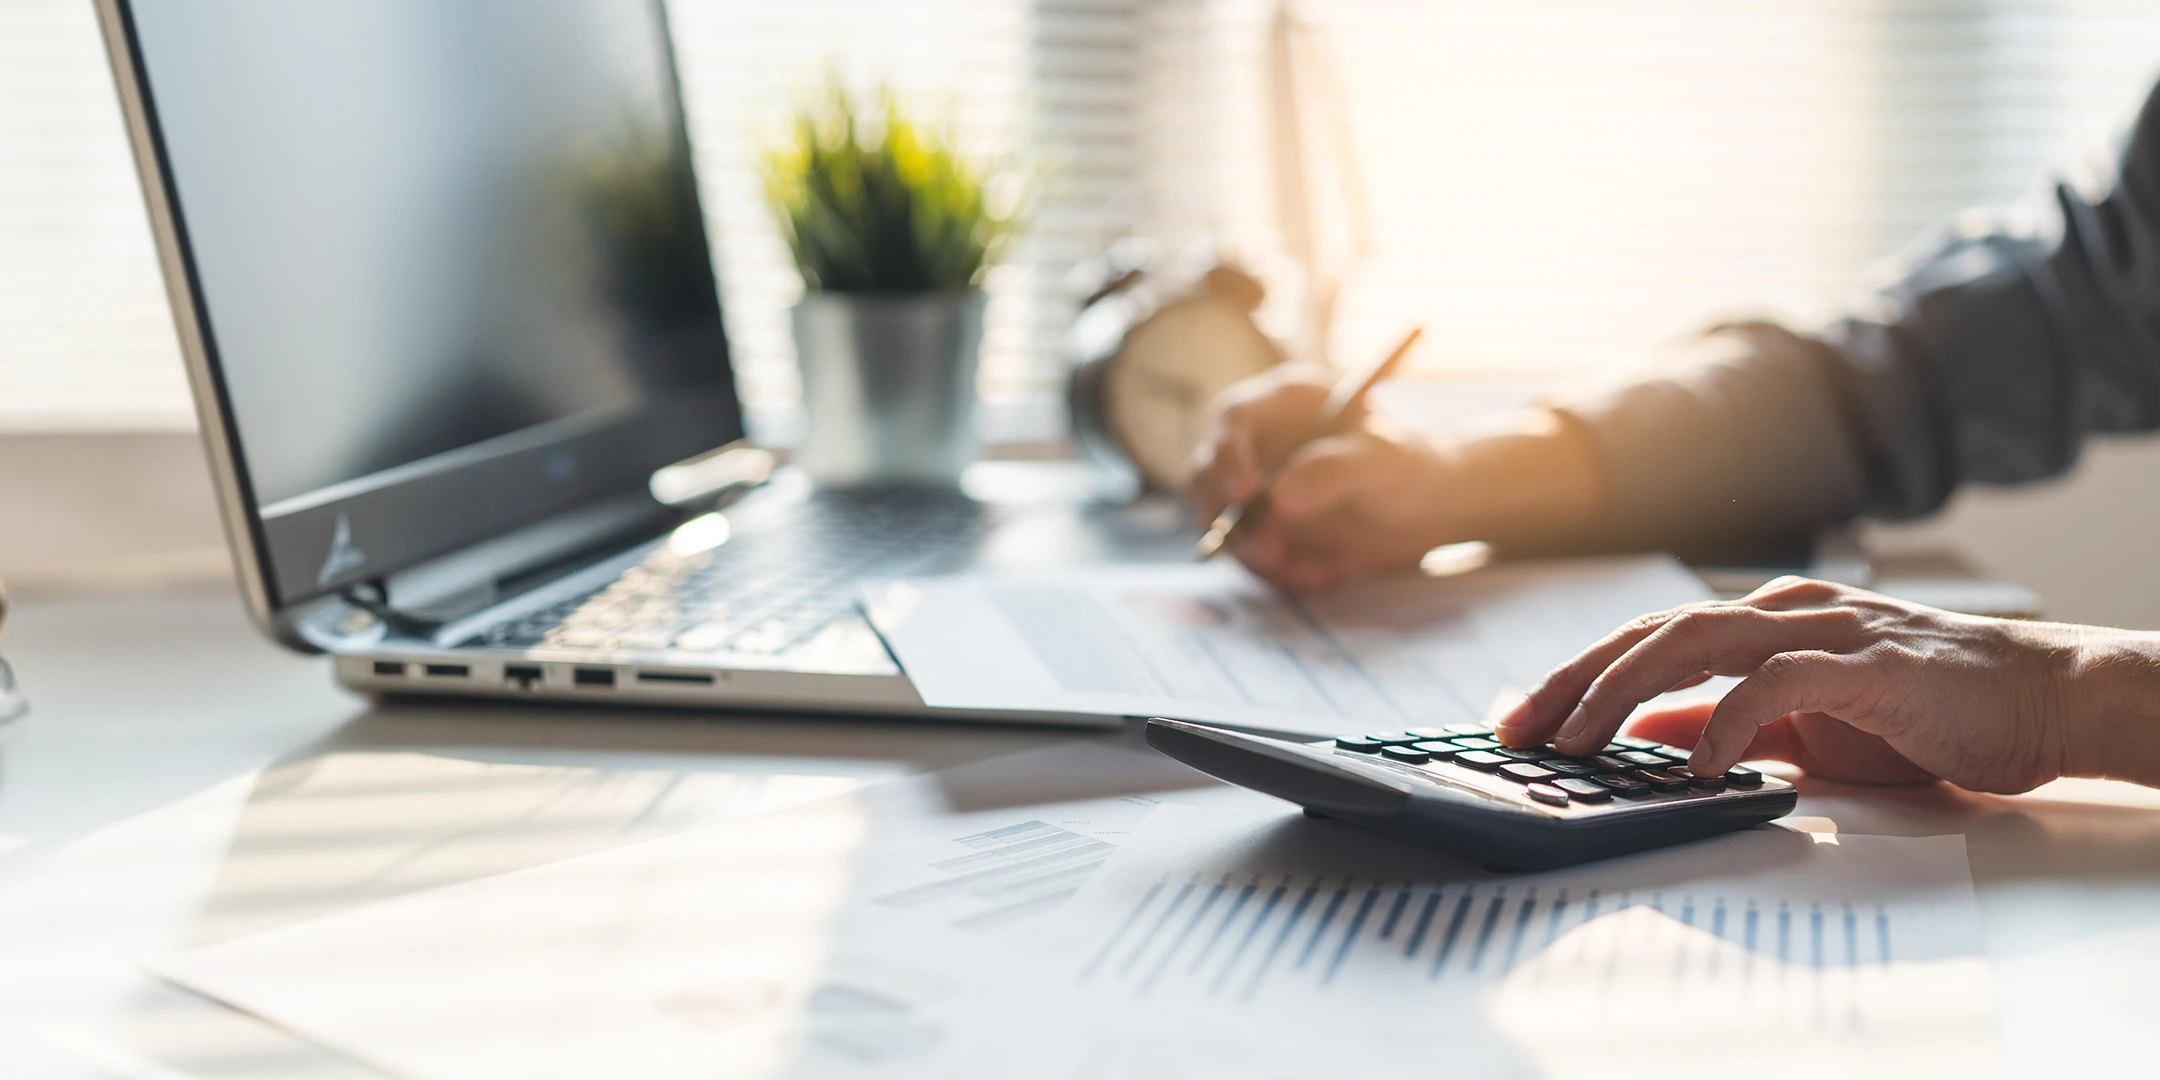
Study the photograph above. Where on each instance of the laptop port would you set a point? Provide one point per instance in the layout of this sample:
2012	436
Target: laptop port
389	667
686	678
450	671
522	676
593	676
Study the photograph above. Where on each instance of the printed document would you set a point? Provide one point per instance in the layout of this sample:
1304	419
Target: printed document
1208	642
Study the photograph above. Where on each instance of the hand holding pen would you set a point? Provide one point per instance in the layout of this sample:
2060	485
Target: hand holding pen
1347	396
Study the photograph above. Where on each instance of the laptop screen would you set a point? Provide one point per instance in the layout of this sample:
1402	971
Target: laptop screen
448	259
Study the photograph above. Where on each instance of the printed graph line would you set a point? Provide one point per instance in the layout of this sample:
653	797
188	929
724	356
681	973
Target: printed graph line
1138	910
1327	918
1140	947
1342	952
1394	915
1454	929
1214	893
1289	927
1485	931
1417	937
1252	932
1222	929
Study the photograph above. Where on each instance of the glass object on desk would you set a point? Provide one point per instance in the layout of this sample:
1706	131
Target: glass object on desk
12	704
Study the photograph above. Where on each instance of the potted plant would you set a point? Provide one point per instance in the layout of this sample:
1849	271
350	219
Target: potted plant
892	231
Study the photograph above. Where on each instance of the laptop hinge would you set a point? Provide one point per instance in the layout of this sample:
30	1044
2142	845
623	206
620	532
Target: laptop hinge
368	596
420	601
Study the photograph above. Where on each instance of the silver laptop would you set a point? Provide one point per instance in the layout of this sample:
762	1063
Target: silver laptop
444	288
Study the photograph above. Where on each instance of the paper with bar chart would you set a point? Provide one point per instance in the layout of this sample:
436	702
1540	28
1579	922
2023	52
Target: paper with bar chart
1206	934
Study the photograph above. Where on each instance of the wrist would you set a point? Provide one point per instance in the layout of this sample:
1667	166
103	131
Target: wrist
2110	721
1522	485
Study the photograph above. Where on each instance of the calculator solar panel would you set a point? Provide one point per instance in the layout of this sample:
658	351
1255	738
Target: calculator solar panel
1456	788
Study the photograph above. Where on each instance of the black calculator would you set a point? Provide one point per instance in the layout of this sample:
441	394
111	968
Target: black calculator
1457	789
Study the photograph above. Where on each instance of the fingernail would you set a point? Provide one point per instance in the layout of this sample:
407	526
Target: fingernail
1573	725
1507	707
1705	753
1512	719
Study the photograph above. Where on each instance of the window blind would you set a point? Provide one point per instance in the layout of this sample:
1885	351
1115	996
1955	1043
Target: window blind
1549	185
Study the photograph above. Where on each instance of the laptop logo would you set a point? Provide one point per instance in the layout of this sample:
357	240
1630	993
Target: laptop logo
343	558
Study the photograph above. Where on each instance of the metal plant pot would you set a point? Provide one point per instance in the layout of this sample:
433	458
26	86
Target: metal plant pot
888	385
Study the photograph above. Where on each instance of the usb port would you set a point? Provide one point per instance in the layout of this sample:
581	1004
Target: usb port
593	676
687	678
389	667
523	676
450	671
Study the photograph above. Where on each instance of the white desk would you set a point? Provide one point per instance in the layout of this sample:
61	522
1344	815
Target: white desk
179	780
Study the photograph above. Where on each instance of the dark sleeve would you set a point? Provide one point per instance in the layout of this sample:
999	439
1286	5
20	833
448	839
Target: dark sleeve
2000	348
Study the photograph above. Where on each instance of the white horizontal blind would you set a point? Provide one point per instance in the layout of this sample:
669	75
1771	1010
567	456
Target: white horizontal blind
1551	184
86	341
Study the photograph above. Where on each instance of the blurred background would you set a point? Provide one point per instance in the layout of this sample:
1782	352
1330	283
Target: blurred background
1551	186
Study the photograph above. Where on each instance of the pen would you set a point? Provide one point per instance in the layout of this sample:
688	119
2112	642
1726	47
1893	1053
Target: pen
1348	393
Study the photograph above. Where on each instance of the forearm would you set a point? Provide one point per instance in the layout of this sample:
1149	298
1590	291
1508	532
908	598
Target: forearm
1735	448
1521	483
2110	719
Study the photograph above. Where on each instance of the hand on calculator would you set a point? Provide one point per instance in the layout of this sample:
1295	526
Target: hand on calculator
1851	685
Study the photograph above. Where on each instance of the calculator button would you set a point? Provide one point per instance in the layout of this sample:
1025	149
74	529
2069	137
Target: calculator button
1481	760
1644	759
1565	767
1627	787
1662	780
1358	744
1392	738
1523	772
1633	743
1614	748
1739	777
1609	763
1409	754
1440	750
1677	757
1702	783
1467	730
1548	794
1476	744
1589	791
1527	753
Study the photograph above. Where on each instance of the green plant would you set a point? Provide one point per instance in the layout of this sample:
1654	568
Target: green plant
879	203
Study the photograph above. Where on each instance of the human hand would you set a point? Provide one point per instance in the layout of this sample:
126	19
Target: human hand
1848	684
1364	497
1343	501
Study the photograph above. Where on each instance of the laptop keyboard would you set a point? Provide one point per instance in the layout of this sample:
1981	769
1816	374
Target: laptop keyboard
777	580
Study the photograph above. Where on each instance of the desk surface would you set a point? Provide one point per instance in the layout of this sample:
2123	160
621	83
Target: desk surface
180	781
